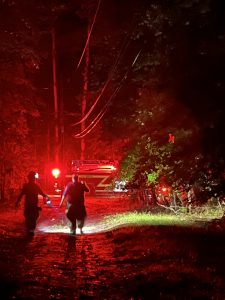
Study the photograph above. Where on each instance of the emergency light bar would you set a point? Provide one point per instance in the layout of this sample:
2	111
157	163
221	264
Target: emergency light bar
93	166
93	162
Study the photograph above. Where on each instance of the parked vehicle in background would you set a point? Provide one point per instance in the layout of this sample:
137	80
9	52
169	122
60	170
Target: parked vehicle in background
99	175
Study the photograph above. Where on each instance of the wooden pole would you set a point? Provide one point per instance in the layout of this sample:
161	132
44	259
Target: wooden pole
56	106
84	98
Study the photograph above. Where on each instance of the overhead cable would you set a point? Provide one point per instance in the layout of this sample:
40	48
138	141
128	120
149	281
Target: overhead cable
122	49
89	35
96	120
91	126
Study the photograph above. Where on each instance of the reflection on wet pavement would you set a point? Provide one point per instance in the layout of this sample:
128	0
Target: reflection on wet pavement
55	265
128	264
66	267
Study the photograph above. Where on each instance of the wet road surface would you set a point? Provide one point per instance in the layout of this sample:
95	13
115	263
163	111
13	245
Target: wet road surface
148	263
55	265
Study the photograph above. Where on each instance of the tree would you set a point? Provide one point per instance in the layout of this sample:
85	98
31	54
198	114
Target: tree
17	98
177	91
20	101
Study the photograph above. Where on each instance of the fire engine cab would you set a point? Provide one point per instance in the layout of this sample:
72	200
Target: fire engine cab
97	174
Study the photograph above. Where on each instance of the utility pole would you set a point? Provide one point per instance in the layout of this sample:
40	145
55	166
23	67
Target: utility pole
61	122
84	98
56	106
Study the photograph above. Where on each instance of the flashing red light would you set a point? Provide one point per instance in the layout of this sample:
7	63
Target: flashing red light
55	172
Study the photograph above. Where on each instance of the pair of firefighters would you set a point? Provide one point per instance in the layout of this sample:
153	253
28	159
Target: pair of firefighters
74	192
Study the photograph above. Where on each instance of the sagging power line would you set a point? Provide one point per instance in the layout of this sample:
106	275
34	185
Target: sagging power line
126	41
96	120
110	77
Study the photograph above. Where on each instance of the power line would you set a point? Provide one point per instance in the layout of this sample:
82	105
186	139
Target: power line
122	49
96	120
89	34
94	104
102	112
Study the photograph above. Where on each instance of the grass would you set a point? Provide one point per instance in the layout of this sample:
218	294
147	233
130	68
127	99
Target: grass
147	218
143	218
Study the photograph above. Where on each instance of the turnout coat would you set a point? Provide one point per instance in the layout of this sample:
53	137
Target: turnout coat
31	209
74	192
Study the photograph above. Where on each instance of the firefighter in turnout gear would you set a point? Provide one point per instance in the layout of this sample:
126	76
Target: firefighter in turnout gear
31	209
76	211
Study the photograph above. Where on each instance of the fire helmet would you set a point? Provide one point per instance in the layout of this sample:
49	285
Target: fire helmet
31	175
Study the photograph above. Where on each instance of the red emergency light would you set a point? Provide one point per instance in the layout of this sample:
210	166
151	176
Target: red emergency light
55	172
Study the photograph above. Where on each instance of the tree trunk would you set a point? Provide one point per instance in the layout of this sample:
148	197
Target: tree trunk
84	99
56	106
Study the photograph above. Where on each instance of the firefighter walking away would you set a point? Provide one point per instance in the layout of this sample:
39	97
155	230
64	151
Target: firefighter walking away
75	207
31	208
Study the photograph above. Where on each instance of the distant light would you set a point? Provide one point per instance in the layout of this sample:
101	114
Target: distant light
120	186
36	175
56	172
171	138
109	167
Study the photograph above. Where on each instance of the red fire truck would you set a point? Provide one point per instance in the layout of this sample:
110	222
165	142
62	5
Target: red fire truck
99	175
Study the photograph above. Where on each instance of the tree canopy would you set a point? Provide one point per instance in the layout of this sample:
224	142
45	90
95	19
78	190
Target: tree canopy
157	67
